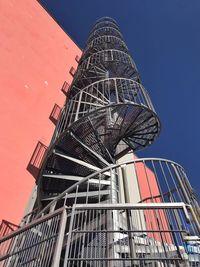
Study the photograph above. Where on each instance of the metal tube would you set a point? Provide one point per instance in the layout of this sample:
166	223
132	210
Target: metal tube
59	242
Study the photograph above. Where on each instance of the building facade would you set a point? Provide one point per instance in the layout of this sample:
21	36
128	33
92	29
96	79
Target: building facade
36	59
95	203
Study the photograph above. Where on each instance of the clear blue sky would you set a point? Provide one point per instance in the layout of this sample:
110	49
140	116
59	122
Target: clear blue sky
163	37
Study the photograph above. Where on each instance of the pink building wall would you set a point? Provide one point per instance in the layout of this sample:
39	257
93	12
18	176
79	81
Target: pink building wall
36	58
149	189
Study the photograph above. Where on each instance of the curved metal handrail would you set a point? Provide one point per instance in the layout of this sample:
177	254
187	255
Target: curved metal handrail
98	60
93	111
106	36
139	86
94	43
112	51
90	38
111	167
114	25
106	18
141	98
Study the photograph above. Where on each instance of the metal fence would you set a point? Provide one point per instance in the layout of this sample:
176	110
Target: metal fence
120	235
37	244
104	235
7	227
169	179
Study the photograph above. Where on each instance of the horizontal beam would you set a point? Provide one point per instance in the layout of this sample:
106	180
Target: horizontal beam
136	206
76	178
82	194
159	259
174	205
80	162
32	224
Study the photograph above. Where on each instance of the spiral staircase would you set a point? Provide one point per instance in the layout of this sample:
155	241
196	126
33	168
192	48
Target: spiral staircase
108	111
85	214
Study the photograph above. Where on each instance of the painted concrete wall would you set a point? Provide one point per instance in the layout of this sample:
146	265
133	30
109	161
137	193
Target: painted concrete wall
140	184
36	57
129	182
149	188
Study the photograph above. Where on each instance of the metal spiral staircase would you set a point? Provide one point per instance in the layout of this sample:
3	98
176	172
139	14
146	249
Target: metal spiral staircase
84	215
107	111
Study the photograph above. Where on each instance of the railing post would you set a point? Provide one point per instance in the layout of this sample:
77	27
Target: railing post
60	238
69	236
78	107
128	216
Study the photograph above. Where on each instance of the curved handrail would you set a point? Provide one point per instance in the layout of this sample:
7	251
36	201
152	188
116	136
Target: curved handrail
99	29
112	166
107	23
108	106
108	79
63	133
104	51
106	18
101	37
142	98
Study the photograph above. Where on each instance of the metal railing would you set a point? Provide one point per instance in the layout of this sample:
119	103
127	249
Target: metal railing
105	24
38	243
169	180
106	31
162	229
113	90
102	43
103	235
7	227
118	235
109	19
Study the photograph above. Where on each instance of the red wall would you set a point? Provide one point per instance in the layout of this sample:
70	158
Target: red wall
155	220
36	56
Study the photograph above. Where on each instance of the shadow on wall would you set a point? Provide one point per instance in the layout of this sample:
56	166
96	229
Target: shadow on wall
7	227
36	160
